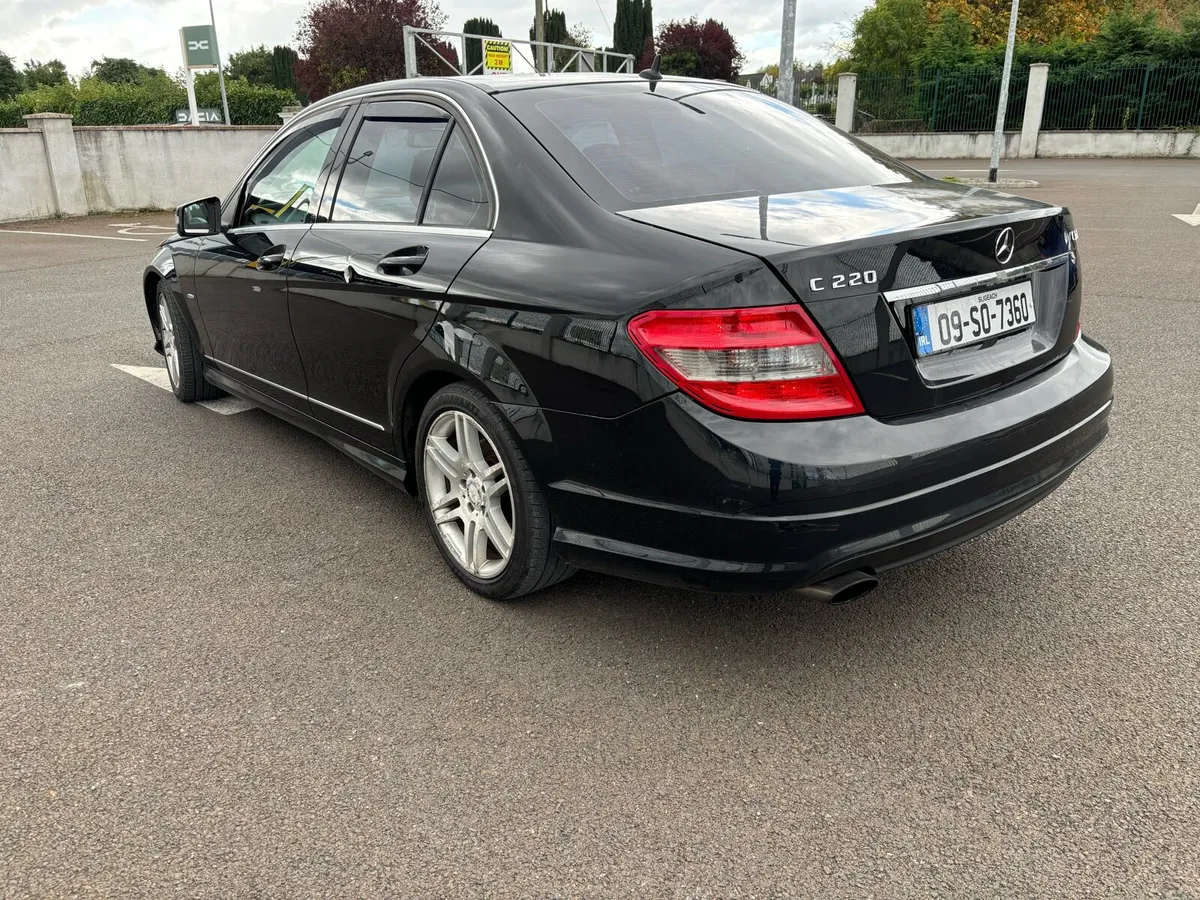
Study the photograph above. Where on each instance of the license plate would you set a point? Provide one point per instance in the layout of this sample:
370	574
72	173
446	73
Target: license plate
977	317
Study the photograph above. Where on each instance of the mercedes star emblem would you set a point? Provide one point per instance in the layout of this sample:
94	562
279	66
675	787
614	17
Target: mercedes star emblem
1006	242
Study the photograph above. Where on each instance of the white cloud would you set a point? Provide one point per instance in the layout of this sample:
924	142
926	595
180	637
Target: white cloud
78	31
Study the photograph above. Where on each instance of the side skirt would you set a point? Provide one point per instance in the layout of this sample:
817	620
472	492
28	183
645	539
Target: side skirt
389	468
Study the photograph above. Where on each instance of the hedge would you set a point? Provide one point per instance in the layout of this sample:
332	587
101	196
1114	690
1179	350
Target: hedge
152	102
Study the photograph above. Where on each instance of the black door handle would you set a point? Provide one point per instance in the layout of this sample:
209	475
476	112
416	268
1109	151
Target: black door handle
272	259
403	262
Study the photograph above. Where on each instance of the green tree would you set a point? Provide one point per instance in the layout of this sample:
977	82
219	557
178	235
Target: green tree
1128	36
11	81
256	65
948	44
39	74
474	48
122	70
888	36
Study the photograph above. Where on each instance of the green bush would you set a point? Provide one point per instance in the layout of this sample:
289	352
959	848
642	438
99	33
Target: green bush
248	104
11	113
99	103
150	102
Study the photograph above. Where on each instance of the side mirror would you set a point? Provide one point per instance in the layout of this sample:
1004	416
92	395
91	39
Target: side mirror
199	218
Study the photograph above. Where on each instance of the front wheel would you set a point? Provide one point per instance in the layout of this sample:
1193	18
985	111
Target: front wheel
488	515
185	361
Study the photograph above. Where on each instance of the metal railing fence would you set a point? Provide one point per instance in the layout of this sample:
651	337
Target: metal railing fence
941	100
1123	98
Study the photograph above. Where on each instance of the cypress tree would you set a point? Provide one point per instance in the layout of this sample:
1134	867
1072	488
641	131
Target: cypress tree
474	47
621	25
647	47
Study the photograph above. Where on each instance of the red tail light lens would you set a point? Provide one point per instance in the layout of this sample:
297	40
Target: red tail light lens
766	362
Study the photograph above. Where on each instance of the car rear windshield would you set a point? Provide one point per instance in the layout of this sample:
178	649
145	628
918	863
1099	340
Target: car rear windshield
631	148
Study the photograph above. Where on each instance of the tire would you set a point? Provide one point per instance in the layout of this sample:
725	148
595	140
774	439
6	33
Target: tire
185	362
467	507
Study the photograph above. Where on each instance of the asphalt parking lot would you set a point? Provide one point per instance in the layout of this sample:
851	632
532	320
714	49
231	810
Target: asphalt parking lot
232	663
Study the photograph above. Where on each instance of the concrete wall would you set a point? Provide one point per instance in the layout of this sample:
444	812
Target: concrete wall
1050	144
156	167
948	145
112	169
1123	144
26	191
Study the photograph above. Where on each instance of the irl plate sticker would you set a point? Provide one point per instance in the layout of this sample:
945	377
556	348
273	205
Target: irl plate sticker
921	327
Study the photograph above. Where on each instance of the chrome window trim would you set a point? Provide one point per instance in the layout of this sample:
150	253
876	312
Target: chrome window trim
402	226
940	289
282	226
288	390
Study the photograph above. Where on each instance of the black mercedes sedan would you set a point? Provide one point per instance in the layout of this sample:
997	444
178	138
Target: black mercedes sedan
664	328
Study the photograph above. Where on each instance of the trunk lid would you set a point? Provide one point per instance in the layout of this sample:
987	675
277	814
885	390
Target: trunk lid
863	259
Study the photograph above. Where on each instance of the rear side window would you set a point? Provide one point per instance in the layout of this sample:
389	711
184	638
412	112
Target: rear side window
629	147
387	170
458	196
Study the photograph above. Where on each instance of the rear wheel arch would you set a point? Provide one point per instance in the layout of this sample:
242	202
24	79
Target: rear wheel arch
413	400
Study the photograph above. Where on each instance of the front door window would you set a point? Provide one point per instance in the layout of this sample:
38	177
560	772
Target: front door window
282	192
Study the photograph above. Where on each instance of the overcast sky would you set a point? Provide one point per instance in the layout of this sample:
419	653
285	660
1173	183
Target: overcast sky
77	31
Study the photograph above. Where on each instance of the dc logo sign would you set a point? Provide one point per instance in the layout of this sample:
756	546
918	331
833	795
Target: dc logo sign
197	45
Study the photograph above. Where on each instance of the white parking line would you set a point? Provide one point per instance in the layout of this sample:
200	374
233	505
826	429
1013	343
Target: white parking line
151	230
157	376
94	237
1193	219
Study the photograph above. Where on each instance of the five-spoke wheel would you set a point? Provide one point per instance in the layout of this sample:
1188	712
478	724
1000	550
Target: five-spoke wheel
468	490
486	511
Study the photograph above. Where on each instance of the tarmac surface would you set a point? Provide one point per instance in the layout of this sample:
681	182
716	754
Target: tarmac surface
232	663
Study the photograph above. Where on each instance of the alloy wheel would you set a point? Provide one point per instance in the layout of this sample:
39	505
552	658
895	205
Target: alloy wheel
170	348
469	494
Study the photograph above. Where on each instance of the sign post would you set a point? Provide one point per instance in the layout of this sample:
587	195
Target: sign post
497	57
199	44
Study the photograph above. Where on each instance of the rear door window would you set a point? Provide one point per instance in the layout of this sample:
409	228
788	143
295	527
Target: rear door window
628	147
387	170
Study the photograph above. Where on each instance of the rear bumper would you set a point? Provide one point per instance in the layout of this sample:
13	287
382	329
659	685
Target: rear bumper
674	494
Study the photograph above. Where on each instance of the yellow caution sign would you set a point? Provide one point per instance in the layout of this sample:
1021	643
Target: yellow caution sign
497	57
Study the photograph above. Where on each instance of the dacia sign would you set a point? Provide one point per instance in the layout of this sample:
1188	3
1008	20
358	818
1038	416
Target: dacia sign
199	44
207	116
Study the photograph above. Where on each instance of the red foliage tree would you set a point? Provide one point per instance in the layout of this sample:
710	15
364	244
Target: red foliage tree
345	43
699	50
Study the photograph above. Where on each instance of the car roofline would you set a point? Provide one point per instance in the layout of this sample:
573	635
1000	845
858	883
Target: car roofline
499	84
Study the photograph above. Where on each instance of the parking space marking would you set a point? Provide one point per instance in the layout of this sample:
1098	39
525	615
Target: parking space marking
1193	219
139	228
157	376
92	237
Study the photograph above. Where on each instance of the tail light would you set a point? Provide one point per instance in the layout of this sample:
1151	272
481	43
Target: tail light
766	362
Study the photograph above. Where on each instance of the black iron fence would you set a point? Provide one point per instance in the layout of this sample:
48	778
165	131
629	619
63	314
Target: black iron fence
942	100
1085	98
1123	98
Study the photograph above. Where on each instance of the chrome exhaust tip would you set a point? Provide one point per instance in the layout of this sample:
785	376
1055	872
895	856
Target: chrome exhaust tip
841	588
